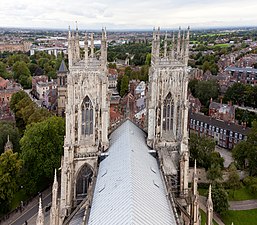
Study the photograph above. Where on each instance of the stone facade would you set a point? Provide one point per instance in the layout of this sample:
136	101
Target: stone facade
87	120
168	104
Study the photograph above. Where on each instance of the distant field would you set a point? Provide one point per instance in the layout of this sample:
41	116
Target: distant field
217	34
226	45
244	217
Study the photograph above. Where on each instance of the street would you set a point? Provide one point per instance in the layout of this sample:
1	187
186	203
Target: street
27	214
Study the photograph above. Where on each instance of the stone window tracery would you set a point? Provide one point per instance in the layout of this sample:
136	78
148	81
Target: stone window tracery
87	116
168	111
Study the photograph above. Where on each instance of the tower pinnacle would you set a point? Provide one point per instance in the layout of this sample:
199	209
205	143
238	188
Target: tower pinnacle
40	215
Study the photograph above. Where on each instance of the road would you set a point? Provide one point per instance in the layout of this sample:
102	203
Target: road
32	211
243	205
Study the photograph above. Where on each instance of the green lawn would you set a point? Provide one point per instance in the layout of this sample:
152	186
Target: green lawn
225	45
245	217
203	218
241	194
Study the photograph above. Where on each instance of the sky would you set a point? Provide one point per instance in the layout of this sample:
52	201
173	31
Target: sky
127	14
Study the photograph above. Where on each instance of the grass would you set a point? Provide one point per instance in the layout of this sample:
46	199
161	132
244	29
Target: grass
241	194
203	218
225	45
245	217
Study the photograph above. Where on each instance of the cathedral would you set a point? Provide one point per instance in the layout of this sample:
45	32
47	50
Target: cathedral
127	176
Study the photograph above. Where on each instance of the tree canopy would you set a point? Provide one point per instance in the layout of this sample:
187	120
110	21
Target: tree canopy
245	153
42	148
9	128
10	167
219	199
202	150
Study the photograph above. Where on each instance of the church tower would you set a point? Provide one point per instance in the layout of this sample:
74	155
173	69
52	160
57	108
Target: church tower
168	105
62	88
87	120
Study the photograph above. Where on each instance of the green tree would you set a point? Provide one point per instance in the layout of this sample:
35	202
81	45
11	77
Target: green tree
236	94
251	183
192	86
148	59
128	71
246	151
201	149
9	128
3	72
233	179
21	73
219	199
10	167
205	90
20	69
42	148
214	173
124	85
16	97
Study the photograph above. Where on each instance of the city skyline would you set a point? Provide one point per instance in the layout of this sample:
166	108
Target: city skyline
127	14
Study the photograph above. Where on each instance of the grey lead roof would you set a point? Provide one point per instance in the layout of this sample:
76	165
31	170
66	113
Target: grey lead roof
63	68
129	188
241	69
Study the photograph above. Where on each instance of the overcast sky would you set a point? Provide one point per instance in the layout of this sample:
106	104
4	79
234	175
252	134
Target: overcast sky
127	14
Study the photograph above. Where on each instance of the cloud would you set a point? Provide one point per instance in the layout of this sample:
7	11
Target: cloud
126	13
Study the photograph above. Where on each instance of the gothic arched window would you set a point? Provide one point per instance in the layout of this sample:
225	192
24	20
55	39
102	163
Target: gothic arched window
83	181
168	111
178	117
87	116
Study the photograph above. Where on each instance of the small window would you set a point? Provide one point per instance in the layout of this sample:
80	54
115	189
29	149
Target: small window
153	169
156	184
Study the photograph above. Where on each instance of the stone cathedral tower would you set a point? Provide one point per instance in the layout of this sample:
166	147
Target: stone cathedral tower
87	119
168	106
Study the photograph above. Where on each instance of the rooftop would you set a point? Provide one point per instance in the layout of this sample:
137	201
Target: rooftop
129	187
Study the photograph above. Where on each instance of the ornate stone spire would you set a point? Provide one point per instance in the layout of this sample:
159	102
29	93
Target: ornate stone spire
172	47
76	43
8	145
104	49
54	207
195	203
195	180
178	43
70	55
40	215
158	43
182	52
92	45
154	43
187	47
209	206
165	45
86	49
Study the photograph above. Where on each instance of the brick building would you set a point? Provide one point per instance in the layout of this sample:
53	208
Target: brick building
226	134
